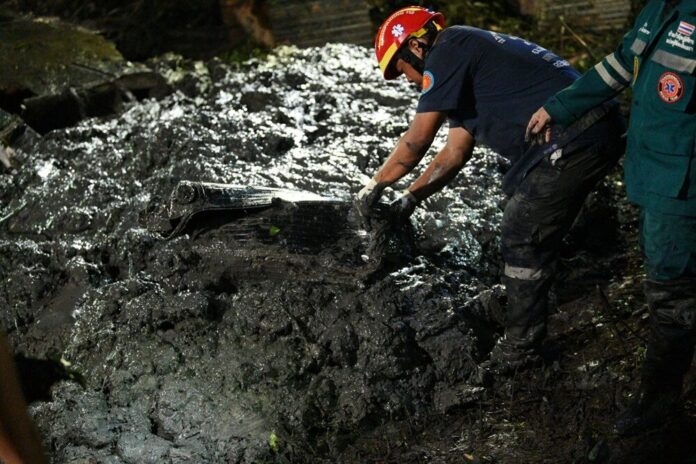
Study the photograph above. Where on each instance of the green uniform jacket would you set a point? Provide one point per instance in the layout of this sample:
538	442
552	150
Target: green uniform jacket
658	58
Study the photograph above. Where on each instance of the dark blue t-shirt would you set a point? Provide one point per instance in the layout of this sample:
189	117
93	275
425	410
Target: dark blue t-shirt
491	84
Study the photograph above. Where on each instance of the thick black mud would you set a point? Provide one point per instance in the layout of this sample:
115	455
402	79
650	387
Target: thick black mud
184	355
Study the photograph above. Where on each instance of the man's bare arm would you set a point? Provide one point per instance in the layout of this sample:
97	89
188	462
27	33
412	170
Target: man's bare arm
411	148
445	166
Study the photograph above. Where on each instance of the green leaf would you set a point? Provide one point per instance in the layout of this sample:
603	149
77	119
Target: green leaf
273	231
274	442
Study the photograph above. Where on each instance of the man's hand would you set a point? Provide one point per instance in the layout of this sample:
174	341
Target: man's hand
368	198
539	128
402	208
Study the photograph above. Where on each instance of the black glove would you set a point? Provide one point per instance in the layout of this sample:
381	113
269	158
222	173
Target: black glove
537	139
402	208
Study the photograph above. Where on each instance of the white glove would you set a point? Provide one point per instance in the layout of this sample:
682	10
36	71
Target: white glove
368	197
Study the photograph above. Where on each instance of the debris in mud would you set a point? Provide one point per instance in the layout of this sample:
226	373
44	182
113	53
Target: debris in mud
53	74
200	199
6	155
279	233
14	133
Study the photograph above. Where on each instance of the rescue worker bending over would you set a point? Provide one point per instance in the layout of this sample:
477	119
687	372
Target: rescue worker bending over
658	59
486	85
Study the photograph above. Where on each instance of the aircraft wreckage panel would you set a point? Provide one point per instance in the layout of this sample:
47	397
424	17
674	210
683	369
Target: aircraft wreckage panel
268	233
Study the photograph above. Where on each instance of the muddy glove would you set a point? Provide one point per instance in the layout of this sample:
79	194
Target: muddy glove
402	208
367	199
535	139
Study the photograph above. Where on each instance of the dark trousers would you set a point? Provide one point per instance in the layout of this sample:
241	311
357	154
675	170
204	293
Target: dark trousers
537	217
669	248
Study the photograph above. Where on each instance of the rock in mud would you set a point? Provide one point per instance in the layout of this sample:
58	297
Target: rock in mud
185	358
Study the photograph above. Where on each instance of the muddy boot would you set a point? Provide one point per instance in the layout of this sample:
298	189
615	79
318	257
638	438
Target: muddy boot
650	410
665	365
525	327
667	360
510	356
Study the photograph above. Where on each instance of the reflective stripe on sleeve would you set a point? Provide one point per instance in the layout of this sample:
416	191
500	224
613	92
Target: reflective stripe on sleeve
522	273
638	46
616	66
607	78
670	60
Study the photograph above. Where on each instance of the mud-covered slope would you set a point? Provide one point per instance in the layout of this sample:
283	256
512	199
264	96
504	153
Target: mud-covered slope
178	356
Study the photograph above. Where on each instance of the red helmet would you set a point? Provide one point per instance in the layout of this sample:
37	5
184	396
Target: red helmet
395	31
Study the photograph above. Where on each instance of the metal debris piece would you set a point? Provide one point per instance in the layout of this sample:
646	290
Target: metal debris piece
191	199
6	155
271	231
13	212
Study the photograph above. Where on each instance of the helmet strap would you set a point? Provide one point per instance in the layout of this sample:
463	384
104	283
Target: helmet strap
430	32
409	57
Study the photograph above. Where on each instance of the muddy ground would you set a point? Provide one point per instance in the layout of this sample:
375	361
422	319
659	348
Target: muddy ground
210	348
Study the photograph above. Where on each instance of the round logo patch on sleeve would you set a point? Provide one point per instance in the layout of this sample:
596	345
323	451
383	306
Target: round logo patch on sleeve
670	87
428	82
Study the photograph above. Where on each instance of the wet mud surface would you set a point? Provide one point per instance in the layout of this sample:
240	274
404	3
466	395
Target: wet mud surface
206	348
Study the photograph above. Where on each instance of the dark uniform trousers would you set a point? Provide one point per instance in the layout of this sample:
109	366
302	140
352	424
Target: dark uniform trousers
669	247
539	214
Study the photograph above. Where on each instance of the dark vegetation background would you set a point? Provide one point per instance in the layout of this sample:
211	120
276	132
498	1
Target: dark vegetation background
142	28
201	29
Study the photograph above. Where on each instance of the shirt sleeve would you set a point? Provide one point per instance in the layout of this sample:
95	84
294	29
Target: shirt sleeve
601	83
446	75
467	120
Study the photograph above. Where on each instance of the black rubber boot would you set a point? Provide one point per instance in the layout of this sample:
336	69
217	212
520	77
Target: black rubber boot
526	311
667	360
525	328
665	365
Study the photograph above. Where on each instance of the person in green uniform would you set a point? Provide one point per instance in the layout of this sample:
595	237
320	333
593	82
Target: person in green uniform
658	59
